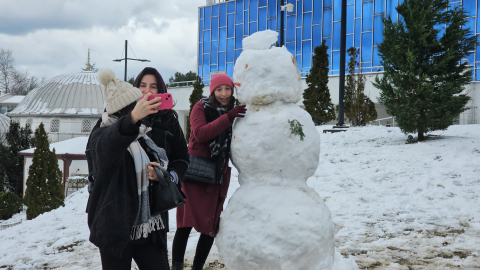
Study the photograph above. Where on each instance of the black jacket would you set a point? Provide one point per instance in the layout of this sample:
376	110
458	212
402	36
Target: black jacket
113	203
167	134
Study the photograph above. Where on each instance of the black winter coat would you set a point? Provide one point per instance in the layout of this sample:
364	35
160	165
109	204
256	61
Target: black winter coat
167	134
113	203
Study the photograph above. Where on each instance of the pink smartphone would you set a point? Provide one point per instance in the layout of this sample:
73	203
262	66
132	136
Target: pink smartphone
167	101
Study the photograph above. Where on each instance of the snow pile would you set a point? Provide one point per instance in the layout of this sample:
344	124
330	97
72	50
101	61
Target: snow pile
274	220
55	239
403	205
394	205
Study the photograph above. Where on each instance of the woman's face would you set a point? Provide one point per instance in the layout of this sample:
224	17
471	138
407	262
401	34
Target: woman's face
223	94
148	85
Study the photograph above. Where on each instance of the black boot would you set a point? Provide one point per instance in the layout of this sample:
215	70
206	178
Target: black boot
177	265
197	266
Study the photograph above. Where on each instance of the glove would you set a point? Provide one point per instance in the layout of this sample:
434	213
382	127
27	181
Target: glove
238	111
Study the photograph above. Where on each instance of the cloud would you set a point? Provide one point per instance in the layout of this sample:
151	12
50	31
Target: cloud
55	41
24	16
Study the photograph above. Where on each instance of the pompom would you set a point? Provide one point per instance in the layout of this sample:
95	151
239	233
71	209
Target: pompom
105	76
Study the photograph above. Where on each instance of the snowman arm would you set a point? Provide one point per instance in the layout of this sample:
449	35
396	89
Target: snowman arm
201	130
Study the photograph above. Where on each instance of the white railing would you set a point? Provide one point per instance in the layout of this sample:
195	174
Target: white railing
386	118
177	84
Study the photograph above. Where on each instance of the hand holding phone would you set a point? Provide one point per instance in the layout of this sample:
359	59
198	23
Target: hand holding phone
166	101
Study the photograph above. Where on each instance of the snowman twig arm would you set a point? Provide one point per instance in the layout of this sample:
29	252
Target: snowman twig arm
203	131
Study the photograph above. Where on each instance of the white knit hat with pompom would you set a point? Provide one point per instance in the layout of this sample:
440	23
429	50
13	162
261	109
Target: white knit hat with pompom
117	93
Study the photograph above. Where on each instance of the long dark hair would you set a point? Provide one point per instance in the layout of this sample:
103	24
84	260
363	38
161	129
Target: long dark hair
162	88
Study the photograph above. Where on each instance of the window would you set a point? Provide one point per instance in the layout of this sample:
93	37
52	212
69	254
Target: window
55	125
87	125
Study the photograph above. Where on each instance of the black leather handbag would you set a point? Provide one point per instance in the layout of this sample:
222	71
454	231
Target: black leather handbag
164	193
201	170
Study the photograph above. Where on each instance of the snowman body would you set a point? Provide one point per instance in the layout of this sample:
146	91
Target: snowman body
273	220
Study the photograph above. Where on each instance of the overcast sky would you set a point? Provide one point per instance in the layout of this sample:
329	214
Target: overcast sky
52	37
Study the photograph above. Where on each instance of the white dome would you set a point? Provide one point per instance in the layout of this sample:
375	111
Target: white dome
69	94
4	127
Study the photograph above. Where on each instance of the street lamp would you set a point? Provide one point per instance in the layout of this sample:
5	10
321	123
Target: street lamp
289	8
122	59
341	86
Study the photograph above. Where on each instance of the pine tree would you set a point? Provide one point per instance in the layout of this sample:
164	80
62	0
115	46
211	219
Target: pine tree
424	76
44	184
18	139
316	98
359	108
196	95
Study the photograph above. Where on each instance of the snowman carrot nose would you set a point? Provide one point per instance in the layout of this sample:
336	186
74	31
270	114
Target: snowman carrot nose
238	84
246	66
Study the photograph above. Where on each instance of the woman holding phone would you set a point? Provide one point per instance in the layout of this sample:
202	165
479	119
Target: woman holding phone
120	219
166	131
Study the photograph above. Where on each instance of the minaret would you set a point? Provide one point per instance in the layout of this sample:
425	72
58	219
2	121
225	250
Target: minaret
89	68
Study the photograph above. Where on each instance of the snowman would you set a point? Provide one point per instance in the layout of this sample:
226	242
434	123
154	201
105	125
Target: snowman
274	220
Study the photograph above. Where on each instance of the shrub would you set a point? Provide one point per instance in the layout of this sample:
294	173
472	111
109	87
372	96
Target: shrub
10	204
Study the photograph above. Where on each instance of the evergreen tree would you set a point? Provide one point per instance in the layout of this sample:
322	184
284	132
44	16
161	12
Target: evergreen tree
44	184
132	80
180	77
196	95
424	75
359	108
18	139
316	98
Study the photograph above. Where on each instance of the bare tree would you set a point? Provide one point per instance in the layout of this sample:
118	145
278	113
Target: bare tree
6	70
13	81
22	83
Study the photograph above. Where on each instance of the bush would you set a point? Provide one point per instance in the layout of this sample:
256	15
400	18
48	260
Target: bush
10	204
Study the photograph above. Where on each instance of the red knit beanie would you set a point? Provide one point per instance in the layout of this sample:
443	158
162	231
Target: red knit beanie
218	80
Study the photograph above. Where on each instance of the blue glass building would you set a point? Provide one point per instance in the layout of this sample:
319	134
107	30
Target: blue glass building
222	27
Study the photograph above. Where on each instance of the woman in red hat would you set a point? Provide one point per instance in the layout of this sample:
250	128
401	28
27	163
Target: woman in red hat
211	133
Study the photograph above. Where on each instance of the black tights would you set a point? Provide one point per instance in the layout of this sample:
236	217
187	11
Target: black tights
180	244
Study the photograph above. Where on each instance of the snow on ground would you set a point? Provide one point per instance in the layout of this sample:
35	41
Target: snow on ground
394	206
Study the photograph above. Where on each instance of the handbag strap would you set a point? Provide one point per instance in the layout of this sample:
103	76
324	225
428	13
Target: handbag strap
161	177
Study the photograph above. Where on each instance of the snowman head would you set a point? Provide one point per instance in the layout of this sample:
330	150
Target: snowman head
264	75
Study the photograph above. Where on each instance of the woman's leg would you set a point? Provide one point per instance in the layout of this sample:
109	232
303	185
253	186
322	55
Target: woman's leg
112	262
151	256
203	249
179	245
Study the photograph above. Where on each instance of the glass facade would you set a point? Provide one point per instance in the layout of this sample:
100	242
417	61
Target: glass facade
223	26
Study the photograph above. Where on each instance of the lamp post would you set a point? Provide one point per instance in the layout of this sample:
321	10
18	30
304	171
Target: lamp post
122	59
341	86
289	8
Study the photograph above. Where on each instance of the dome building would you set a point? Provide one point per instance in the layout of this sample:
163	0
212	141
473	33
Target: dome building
68	105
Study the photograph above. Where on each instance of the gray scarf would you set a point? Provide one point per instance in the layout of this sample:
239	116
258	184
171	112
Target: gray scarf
144	223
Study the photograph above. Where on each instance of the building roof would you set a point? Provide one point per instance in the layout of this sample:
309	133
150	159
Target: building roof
75	146
4	127
12	99
69	94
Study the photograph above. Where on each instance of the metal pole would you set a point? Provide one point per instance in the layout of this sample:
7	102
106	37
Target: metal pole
126	44
341	91
282	23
